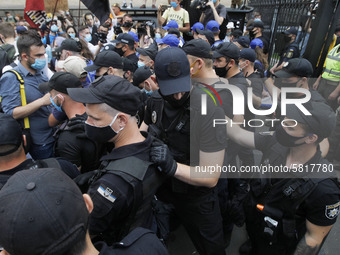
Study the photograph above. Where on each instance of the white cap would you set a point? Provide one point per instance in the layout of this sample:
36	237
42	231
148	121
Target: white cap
230	25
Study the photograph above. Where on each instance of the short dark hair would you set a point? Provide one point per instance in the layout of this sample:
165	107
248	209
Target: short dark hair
87	14
7	29
82	28
27	39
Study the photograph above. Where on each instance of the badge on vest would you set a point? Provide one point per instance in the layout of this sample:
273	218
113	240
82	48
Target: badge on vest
154	117
332	211
106	192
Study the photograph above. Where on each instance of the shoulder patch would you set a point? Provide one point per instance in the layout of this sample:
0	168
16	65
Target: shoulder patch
332	211
290	54
106	192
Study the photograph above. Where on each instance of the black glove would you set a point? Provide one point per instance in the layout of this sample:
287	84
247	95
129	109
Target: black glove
162	157
236	210
77	122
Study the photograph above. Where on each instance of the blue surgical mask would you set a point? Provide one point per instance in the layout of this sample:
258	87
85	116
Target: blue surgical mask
158	36
148	93
140	64
57	107
88	37
72	35
174	4
54	28
39	63
214	1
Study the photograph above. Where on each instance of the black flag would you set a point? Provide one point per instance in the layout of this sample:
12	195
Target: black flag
100	8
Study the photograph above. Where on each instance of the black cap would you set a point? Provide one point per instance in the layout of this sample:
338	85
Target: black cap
111	90
71	45
243	41
248	54
60	81
321	121
258	23
125	38
227	49
208	34
237	33
172	69
198	48
295	67
151	51
141	74
106	58
38	202
11	133
129	65
290	30
109	46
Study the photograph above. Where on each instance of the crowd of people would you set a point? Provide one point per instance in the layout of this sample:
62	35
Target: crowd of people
111	134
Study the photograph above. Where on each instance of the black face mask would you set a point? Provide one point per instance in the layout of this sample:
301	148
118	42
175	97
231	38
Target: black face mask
287	39
285	139
176	103
97	76
127	24
101	134
119	51
252	34
222	71
278	83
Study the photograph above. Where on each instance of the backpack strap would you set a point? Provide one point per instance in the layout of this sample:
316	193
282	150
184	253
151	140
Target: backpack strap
22	94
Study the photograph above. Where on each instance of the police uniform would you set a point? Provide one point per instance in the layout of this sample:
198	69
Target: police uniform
124	186
291	50
123	191
279	205
186	131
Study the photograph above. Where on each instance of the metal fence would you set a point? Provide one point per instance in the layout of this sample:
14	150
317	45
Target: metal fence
278	15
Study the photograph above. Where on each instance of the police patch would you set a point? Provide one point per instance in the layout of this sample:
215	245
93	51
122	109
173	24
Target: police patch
154	117
332	211
290	54
106	192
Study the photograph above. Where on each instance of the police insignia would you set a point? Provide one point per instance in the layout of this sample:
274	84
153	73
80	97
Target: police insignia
106	192
290	54
154	117
285	64
332	211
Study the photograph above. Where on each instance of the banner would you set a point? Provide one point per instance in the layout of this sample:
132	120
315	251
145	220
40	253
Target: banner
35	13
100	8
51	4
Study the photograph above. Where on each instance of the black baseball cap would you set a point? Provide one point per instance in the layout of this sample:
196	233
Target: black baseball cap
151	51
111	90
42	211
125	38
198	48
141	74
243	41
71	45
295	67
172	69
208	34
321	121
60	81
106	58
129	65
11	133
227	49
248	54
290	30
258	23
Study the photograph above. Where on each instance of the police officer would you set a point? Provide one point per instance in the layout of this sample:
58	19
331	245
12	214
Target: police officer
291	49
71	142
145	79
107	63
293	210
329	86
169	117
12	153
124	186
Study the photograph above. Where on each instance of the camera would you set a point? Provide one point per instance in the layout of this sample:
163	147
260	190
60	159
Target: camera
199	4
117	29
101	37
56	54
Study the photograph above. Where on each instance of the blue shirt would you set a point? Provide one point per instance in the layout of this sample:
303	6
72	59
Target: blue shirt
10	98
